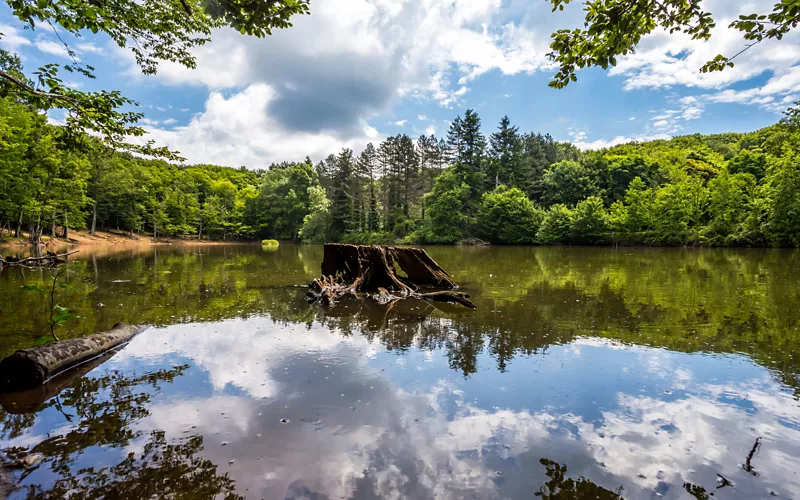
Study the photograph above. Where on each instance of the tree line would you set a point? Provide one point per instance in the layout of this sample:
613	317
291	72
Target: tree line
507	188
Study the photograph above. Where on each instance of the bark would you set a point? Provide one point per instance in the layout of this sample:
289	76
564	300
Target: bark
33	367
94	219
66	226
31	400
19	225
353	270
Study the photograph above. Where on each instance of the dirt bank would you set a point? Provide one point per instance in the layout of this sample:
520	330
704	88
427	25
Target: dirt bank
105	239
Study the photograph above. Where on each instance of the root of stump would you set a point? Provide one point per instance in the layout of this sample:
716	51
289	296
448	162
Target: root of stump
355	270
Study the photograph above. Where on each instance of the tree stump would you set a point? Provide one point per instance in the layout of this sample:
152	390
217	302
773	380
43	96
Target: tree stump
373	270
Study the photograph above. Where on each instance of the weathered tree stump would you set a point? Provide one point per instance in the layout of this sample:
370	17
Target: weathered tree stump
372	270
33	367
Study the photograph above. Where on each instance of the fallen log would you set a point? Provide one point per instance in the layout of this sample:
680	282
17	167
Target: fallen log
31	400
29	368
49	259
372	270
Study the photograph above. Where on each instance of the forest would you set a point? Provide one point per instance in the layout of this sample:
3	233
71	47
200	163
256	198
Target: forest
508	188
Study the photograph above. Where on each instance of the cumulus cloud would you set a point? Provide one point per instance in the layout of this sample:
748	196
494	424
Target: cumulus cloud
351	60
400	123
437	442
663	60
11	38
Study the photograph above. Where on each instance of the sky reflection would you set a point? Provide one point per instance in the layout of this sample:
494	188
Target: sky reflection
290	410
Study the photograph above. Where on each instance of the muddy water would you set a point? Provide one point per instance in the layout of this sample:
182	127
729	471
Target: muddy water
584	373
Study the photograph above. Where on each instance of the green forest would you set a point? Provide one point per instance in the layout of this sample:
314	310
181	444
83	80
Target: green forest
508	187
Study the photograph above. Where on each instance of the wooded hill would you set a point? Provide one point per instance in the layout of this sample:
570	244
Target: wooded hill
509	188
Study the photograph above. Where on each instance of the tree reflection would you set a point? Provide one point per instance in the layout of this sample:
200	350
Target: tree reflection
560	487
100	412
528	299
164	470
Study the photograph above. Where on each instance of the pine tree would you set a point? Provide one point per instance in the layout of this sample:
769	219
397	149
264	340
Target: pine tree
342	199
506	155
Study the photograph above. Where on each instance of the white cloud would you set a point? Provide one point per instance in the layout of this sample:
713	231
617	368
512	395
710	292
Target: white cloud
430	130
663	60
11	38
239	130
422	118
54	48
632	119
169	121
401	123
351	60
89	48
580	138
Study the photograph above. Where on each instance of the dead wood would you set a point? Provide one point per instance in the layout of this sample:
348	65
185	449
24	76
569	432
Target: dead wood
33	367
31	400
49	259
372	270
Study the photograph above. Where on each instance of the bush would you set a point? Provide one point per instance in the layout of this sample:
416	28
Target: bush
556	226
270	243
590	221
508	216
369	238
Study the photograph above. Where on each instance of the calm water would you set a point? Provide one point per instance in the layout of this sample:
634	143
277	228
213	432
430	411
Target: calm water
584	373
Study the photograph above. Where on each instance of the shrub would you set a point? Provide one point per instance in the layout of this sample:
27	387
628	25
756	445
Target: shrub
508	216
369	238
556	226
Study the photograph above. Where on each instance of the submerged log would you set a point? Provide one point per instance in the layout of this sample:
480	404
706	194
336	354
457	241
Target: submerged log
33	367
372	270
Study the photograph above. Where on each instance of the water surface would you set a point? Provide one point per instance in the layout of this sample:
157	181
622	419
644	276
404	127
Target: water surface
584	372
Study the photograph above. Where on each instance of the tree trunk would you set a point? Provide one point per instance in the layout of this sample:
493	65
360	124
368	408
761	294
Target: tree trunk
94	219
32	367
31	400
66	226
354	269
53	226
19	225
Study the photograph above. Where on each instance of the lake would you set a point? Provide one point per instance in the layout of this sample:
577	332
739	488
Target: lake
583	373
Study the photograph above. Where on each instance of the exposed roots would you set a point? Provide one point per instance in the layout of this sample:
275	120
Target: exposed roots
356	270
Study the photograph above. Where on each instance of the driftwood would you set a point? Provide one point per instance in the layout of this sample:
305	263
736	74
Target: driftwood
33	367
353	270
49	259
31	400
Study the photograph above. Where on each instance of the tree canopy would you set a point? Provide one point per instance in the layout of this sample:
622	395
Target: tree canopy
154	30
614	28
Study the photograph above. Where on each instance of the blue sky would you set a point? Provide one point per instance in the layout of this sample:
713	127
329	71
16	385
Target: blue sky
358	70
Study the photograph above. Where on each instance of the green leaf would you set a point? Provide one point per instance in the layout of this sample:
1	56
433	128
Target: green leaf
46	339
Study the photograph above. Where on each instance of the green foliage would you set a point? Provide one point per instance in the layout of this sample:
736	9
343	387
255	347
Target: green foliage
614	28
567	182
589	221
447	217
556	226
270	243
369	238
508	216
317	223
59	315
722	189
154	30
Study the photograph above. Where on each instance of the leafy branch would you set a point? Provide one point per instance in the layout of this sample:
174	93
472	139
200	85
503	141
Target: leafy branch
58	314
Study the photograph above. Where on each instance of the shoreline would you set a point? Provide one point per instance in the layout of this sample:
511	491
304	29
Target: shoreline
108	238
